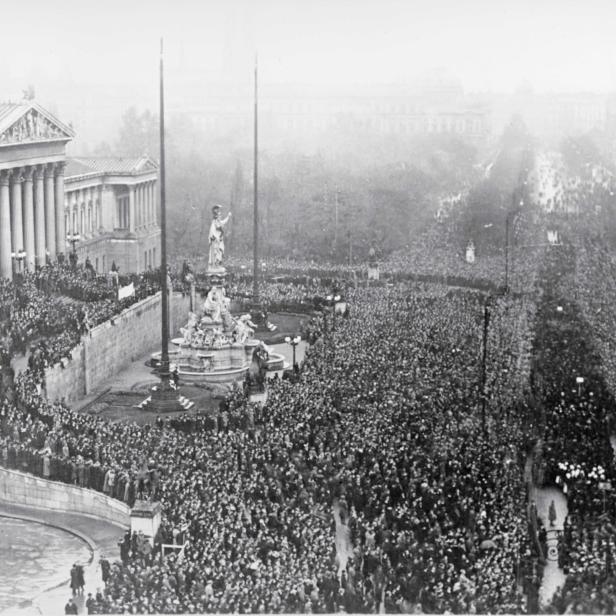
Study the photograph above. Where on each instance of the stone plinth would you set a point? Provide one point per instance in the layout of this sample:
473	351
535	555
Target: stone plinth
146	516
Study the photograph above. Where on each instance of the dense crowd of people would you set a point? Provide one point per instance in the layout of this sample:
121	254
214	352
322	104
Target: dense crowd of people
46	311
436	514
389	474
575	340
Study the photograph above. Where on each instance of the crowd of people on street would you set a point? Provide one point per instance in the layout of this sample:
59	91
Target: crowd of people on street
435	512
45	312
390	474
574	337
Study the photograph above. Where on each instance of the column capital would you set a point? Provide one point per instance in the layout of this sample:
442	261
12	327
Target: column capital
39	171
49	169
60	167
16	175
5	175
27	174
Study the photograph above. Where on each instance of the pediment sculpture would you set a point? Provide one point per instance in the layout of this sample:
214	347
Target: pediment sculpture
32	126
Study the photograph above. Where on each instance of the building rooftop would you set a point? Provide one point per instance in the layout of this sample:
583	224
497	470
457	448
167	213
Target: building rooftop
109	165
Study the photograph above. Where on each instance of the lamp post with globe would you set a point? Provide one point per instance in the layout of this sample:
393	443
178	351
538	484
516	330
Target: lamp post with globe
293	342
18	258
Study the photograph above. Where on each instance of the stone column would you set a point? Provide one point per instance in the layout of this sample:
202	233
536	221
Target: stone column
141	205
6	266
28	203
50	211
153	204
17	226
87	212
131	209
39	214
148	204
144	203
60	220
137	206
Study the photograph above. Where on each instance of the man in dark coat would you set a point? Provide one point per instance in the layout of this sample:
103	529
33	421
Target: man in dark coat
71	607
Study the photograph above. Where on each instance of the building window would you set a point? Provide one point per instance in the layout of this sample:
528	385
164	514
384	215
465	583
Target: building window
97	264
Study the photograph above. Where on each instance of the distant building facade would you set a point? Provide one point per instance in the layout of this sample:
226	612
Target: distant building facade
439	107
32	160
111	210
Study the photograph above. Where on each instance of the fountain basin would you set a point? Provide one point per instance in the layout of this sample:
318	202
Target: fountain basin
227	364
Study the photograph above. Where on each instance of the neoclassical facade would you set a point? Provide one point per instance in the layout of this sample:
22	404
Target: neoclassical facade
111	204
32	162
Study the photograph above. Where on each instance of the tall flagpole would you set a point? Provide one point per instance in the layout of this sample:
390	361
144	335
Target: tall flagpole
255	239
164	398
164	360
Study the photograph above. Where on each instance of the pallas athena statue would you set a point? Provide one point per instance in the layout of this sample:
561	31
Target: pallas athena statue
216	237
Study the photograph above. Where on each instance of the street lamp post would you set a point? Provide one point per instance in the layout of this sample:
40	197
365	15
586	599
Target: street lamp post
293	342
332	302
73	238
486	323
508	220
18	258
579	380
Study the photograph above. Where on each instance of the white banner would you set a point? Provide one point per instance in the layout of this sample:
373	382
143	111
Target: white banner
126	291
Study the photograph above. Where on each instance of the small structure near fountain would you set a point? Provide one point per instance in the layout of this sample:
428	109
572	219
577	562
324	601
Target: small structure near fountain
215	346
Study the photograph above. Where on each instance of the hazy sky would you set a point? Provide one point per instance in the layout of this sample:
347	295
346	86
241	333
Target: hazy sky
105	53
489	44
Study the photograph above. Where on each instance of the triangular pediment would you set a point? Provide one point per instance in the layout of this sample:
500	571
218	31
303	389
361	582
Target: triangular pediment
27	122
146	164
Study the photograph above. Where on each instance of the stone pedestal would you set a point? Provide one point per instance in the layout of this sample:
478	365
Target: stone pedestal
164	399
216	276
259	316
146	516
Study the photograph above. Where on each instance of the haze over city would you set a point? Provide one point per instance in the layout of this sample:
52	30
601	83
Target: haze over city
333	330
104	56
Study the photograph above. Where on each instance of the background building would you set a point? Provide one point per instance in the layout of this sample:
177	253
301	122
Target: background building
32	156
111	210
304	111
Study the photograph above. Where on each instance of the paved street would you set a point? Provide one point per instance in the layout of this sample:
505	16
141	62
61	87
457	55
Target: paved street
35	558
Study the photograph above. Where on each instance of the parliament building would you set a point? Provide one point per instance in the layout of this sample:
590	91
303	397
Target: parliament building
111	206
32	163
104	209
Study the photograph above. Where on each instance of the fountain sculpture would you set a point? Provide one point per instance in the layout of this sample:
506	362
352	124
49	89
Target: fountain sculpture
215	346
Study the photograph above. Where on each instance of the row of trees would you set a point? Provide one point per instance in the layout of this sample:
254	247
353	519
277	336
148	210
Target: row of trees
501	192
358	191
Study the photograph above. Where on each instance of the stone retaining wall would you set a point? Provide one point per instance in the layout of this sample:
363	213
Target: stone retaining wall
19	488
112	346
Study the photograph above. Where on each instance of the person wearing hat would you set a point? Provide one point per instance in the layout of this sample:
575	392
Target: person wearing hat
71	607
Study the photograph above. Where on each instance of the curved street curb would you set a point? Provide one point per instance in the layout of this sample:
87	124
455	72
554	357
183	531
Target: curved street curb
92	545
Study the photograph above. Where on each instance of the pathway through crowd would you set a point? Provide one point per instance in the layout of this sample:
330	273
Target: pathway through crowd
553	576
344	547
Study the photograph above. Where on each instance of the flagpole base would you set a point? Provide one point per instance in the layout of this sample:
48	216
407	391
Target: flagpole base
164	398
